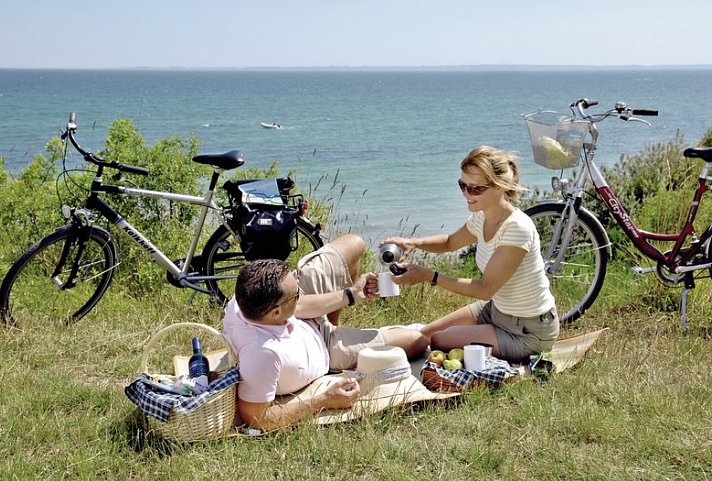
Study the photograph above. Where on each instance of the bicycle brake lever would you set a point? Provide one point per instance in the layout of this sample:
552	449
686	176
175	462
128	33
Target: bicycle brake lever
636	119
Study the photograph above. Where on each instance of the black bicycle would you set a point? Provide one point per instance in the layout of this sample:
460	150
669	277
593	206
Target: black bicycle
64	275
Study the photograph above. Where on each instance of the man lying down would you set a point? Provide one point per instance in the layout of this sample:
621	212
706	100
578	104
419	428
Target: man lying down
283	327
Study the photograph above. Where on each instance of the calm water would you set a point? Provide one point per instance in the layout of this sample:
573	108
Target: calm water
394	139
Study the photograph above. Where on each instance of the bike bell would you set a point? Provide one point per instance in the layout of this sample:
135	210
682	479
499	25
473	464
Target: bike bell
389	253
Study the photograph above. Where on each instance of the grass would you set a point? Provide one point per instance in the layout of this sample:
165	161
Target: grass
638	407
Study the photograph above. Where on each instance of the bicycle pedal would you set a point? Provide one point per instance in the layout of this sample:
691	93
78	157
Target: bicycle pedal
639	270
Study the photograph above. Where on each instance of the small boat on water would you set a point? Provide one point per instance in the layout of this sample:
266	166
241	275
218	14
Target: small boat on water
270	125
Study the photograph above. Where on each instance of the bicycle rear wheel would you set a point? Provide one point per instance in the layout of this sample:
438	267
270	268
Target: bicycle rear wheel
35	288
578	281
223	256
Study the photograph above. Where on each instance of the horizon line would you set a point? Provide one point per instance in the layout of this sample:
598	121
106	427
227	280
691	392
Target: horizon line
391	68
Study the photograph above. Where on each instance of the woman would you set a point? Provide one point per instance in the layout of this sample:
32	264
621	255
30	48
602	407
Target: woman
515	311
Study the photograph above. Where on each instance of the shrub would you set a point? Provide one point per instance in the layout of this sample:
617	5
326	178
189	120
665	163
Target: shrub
706	139
30	204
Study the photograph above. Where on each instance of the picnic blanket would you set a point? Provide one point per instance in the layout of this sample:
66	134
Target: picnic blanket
566	353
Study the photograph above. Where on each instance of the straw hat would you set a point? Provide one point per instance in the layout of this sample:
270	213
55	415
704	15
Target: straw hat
386	380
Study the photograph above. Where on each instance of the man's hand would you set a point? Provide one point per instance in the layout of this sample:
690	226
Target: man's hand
341	395
365	287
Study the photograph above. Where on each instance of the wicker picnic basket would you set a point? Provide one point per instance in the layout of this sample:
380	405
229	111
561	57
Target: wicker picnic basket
435	382
212	419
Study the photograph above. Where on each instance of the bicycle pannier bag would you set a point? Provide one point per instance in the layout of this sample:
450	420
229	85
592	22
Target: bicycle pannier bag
269	231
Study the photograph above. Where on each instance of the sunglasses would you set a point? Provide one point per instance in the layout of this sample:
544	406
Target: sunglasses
473	189
289	299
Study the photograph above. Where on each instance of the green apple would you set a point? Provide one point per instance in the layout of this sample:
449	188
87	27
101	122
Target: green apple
437	357
452	364
456	353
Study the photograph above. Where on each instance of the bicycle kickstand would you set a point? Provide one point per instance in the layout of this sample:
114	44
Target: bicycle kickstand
689	285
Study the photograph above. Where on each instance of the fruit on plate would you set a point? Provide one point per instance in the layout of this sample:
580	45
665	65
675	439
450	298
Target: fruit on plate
452	364
456	353
437	357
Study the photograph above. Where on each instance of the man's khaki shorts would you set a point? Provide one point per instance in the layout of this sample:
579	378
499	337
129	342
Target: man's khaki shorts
326	271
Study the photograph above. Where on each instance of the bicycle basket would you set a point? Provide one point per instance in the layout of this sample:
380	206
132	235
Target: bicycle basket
557	139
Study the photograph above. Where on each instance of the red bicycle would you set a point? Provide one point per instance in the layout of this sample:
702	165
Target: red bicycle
574	244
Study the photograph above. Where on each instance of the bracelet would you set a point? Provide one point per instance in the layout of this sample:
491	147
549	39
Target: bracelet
434	282
350	296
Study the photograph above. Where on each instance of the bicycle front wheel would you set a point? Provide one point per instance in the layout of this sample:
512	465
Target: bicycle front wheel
577	281
40	286
223	256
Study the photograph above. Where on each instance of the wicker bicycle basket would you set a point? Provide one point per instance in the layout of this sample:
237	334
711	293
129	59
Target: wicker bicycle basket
556	139
212	419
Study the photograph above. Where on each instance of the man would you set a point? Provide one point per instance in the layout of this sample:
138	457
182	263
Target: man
277	327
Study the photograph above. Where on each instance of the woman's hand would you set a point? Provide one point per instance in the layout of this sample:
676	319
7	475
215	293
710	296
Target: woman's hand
406	245
414	274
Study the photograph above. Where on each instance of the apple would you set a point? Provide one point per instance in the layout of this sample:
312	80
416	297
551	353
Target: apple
456	353
452	364
437	357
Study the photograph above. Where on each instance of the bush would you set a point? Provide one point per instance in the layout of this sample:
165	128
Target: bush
30	204
28	207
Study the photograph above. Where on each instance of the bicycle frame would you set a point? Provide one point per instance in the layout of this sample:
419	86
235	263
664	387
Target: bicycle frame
94	202
641	238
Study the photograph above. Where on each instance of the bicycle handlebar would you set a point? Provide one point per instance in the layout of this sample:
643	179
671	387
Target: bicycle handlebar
95	159
653	113
621	110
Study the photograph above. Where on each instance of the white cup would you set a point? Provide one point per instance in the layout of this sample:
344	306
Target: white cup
488	348
474	357
386	286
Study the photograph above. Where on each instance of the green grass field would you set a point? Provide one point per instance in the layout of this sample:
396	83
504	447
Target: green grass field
638	407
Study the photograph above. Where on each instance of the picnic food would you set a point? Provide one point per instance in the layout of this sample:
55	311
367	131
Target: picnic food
452	364
437	357
456	353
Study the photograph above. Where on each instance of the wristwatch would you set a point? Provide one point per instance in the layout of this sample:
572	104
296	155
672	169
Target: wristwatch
350	296
434	282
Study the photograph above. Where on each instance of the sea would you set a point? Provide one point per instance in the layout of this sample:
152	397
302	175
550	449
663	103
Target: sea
382	146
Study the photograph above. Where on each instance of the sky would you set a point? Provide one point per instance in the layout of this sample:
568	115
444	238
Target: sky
357	33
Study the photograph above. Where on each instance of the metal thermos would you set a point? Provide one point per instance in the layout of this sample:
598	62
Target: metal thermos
389	253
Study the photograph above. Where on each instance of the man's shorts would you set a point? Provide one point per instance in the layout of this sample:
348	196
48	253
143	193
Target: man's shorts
326	271
518	337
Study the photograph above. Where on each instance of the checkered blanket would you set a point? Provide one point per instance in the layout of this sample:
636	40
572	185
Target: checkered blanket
493	374
158	404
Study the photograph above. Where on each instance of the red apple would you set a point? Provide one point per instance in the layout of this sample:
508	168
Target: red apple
437	357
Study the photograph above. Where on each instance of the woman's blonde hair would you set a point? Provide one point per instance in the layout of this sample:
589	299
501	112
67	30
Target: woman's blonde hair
501	168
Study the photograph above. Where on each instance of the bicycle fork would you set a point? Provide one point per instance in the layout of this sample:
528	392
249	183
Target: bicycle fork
561	236
84	227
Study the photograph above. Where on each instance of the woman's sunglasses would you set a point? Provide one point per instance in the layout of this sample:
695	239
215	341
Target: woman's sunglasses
473	189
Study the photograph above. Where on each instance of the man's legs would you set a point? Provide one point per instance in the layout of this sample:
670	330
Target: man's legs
413	342
351	247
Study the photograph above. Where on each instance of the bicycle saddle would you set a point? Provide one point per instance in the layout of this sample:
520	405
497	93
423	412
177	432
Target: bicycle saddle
227	161
704	153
